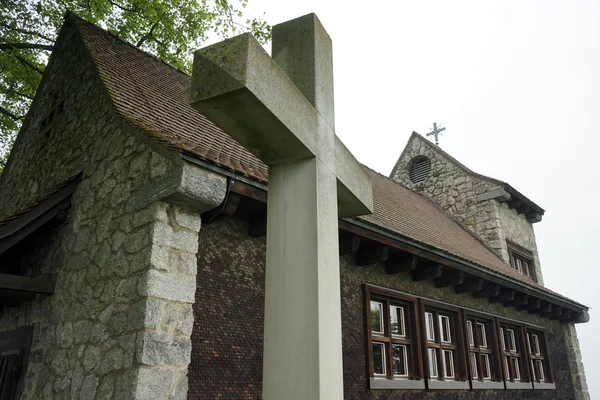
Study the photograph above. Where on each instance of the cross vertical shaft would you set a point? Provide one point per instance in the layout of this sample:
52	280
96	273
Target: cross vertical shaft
303	343
281	109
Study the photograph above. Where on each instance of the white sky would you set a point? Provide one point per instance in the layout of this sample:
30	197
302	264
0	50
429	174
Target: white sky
517	85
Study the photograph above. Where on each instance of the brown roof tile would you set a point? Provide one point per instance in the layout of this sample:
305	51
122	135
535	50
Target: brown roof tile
155	97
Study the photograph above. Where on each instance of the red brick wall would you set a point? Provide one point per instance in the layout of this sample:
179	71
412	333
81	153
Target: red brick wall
228	327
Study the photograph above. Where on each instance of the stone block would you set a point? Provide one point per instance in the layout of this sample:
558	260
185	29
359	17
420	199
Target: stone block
91	358
188	219
159	348
88	388
168	286
153	383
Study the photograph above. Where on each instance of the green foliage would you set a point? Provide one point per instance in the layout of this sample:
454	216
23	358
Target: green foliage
169	29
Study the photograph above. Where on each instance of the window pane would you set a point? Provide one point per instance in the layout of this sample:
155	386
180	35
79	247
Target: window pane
511	340
519	266
502	339
485	367
378	358
506	371
536	344
540	366
526	268
448	363
400	360
470	333
515	362
481	328
432	363
533	371
377	317
397	321
474	365
429	327
445	329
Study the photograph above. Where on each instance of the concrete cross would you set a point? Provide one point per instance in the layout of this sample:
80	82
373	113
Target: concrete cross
435	132
281	109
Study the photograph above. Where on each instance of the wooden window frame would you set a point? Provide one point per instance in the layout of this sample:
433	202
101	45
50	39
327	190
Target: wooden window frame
416	332
518	255
17	341
543	357
520	353
457	346
411	340
492	350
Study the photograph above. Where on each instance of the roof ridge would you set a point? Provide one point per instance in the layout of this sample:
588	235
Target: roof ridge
79	19
450	216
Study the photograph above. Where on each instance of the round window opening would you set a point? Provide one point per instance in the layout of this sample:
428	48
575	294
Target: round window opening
420	168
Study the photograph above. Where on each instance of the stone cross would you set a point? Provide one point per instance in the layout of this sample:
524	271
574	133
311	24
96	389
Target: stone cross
281	109
435	132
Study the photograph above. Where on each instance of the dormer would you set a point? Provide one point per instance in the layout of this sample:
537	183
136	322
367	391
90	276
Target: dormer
493	210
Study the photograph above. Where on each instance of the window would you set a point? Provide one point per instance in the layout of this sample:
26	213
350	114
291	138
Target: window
522	261
412	339
419	169
443	348
538	360
513	357
393	346
14	352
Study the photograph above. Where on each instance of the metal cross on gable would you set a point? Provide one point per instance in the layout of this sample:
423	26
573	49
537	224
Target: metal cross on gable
436	131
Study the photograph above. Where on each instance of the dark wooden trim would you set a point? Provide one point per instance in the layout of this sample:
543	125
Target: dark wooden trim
471	284
371	254
450	277
400	261
504	295
257	224
26	284
348	242
19	339
519	301
488	289
426	271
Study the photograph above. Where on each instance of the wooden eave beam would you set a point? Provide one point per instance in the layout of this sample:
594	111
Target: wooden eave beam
519	301
555	313
371	254
566	315
26	284
349	243
504	295
532	306
545	309
450	277
427	270
489	289
400	261
470	284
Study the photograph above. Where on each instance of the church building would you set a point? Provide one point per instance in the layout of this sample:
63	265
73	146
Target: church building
133	251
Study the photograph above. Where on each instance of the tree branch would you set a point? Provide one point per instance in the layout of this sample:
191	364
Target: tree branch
10	46
134	10
148	34
28	64
26	32
11	115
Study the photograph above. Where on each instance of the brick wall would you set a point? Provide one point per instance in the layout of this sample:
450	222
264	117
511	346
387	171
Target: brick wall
227	342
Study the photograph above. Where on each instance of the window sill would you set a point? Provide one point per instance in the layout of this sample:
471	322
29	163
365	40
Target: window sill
519	385
382	383
487	385
437	384
544	385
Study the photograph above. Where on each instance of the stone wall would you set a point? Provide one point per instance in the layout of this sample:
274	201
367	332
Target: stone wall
119	323
227	340
470	198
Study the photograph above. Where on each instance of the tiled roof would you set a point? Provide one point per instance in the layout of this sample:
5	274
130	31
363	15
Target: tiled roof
155	97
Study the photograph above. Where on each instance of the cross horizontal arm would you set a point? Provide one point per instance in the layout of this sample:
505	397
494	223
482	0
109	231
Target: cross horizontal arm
242	90
239	87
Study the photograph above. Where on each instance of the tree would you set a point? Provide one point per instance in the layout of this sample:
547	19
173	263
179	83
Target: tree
169	29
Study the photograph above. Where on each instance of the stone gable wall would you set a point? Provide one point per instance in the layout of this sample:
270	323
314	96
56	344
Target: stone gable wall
466	197
227	340
119	323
